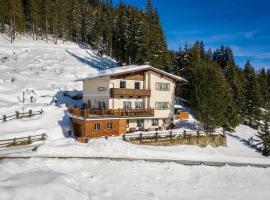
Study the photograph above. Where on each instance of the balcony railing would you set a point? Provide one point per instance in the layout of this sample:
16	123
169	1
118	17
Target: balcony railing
88	113
130	92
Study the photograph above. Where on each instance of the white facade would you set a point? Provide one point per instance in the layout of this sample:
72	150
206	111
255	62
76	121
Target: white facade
96	93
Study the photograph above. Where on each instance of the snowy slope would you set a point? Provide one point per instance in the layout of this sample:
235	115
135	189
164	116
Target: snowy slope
83	179
43	71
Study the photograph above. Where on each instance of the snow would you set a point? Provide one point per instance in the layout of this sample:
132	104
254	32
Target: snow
44	71
84	179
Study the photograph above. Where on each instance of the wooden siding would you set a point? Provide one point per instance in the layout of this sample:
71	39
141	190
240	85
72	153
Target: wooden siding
86	128
130	92
137	76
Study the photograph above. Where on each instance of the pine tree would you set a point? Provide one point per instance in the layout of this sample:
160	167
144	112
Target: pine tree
264	133
13	13
252	101
262	80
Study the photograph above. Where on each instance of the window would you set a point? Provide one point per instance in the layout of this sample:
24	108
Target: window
162	86
140	123
101	105
122	84
97	126
109	126
137	85
154	122
162	105
138	104
101	89
127	104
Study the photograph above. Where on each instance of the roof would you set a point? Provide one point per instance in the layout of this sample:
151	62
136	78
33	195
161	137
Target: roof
129	69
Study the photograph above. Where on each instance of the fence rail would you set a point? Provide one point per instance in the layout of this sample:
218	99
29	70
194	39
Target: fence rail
22	140
20	115
168	135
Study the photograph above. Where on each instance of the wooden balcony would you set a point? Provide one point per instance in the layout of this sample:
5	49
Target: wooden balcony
94	113
130	92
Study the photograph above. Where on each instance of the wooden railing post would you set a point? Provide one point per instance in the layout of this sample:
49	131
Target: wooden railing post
140	137
17	114
4	118
171	135
156	136
30	113
185	133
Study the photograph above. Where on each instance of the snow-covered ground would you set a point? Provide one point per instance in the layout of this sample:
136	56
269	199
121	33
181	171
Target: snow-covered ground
83	179
45	71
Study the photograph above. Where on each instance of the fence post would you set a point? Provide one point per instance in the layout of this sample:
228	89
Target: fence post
14	141
124	137
30	113
156	136
185	132
29	139
140	137
198	133
171	135
4	118
223	131
17	114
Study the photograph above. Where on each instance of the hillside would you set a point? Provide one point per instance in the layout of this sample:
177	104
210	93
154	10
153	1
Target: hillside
42	71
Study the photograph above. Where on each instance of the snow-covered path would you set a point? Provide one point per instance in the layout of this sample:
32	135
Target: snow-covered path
84	179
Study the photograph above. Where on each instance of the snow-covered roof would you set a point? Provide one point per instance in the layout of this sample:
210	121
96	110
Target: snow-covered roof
129	69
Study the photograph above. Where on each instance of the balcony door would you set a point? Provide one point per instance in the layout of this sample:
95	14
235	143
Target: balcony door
101	105
127	104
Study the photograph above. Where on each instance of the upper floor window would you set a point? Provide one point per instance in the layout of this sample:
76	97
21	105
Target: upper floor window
127	104
137	85
163	86
100	89
97	126
122	84
138	104
162	105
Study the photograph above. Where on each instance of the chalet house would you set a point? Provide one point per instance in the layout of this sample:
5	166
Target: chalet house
125	99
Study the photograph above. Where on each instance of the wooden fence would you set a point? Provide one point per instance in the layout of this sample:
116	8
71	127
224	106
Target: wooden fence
22	140
20	115
167	137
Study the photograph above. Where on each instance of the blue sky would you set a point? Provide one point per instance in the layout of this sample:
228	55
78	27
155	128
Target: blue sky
243	25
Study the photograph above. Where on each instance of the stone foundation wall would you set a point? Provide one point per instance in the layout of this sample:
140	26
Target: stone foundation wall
201	141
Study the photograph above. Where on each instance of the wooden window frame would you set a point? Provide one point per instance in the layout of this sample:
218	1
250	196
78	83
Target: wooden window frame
127	102
109	126
162	105
139	103
160	86
97	126
137	85
124	84
155	122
